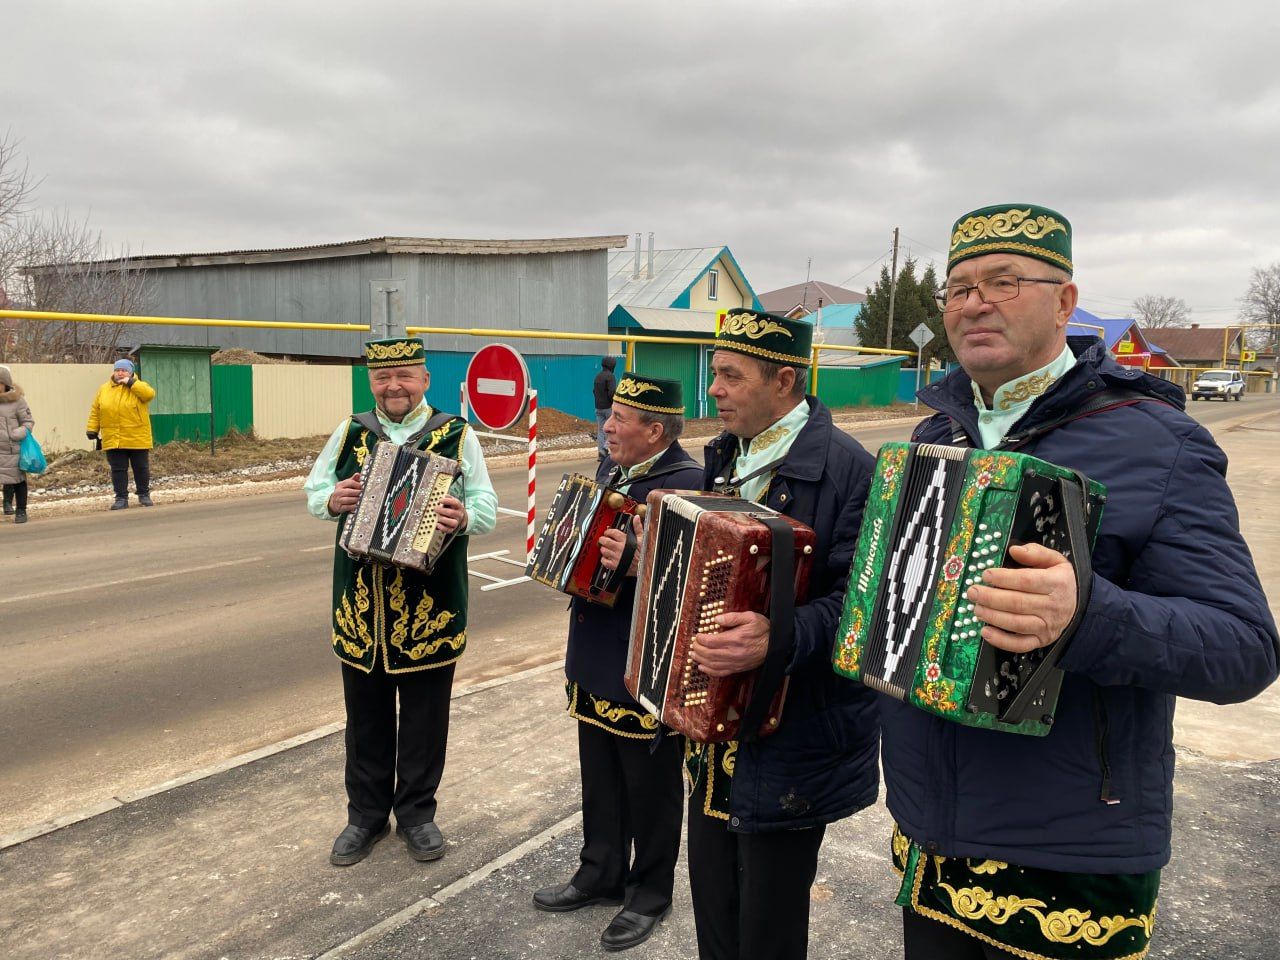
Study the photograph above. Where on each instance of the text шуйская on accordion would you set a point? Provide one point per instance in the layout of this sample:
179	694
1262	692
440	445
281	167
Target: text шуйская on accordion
395	518
936	518
566	555
706	554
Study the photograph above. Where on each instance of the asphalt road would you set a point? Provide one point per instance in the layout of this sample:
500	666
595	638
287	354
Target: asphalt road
145	644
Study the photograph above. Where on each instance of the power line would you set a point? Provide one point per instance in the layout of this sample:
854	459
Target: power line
866	268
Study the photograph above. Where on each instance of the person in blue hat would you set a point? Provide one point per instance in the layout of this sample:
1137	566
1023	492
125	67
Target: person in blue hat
120	423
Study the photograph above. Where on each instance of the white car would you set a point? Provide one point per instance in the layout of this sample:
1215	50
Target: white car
1218	384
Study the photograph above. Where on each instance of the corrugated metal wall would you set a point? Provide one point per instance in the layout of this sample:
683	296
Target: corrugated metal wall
299	401
562	382
232	398
875	385
60	395
552	291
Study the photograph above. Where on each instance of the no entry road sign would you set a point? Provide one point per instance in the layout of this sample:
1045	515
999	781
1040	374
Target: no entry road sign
497	386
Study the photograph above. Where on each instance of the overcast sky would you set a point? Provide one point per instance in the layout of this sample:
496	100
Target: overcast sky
785	130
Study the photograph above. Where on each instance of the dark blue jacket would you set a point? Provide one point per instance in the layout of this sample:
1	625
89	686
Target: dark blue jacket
599	636
1176	610
821	764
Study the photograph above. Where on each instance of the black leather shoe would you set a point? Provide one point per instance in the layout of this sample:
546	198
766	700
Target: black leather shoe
425	841
629	929
20	517
354	843
120	503
145	500
564	897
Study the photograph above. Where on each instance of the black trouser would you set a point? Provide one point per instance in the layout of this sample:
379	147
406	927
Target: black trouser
16	492
925	939
120	461
630	798
386	772
750	890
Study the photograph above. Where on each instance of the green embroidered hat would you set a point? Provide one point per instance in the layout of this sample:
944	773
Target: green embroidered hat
1021	228
396	352
767	336
654	394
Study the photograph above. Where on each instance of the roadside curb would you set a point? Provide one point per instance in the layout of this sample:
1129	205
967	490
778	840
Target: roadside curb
54	824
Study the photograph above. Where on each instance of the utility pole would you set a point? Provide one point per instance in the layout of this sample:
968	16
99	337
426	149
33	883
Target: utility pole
893	291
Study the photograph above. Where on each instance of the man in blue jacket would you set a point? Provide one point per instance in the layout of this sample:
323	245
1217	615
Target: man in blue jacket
632	797
1052	847
758	809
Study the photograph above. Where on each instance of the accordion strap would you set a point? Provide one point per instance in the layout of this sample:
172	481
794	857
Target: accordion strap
782	605
614	581
1073	493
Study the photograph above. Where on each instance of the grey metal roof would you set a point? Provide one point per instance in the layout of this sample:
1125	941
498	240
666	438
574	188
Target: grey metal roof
785	299
660	319
673	272
355	248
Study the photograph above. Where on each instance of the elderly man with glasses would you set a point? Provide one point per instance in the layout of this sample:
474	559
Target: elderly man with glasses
1052	847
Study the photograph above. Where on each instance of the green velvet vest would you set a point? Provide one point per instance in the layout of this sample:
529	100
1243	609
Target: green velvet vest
412	621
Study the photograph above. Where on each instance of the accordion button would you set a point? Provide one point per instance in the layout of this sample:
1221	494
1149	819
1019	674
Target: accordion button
581	618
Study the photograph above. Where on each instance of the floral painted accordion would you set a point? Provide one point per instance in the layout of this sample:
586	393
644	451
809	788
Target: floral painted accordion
935	519
566	554
395	518
706	554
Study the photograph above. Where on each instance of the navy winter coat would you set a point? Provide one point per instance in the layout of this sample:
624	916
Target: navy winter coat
1176	610
820	765
599	636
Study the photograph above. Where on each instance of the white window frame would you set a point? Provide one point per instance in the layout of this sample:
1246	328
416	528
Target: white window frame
713	284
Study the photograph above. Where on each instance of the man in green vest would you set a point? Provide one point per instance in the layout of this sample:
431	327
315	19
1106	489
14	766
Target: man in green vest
396	630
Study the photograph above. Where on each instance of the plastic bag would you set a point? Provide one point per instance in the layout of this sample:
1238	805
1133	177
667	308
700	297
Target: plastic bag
30	456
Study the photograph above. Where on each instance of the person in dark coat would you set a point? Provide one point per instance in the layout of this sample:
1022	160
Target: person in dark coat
1052	847
632	795
758	809
602	395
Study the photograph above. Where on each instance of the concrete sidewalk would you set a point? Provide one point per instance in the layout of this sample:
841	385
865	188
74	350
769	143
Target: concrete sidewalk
235	865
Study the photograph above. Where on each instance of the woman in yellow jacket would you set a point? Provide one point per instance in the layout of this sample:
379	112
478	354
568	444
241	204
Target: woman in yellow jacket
119	421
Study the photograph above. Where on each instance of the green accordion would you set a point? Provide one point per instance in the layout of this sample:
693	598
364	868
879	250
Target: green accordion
935	519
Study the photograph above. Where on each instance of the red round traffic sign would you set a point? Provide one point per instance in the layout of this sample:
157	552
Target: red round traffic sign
497	386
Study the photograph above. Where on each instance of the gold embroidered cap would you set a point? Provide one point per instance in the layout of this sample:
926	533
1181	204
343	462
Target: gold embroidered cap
655	394
396	352
1021	228
767	336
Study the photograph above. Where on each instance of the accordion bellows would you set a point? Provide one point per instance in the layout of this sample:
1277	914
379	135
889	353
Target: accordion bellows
936	518
703	555
395	520
566	554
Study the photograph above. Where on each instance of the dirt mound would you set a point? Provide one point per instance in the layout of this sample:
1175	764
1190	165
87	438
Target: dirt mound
239	355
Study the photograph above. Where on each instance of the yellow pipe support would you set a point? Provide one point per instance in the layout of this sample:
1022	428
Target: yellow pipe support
1092	326
177	321
631	358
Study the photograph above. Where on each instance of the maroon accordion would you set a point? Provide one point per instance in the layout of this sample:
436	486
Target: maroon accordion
566	555
705	554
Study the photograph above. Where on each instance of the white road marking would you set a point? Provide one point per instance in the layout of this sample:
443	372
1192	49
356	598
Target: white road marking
130	580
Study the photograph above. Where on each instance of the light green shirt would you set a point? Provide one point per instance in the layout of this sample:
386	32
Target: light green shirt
631	474
479	498
767	446
1011	401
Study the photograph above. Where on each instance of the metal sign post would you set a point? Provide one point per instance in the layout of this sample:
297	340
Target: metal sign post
921	336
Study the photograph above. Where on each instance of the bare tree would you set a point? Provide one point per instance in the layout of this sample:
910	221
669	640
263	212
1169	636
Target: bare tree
53	262
1157	311
1261	304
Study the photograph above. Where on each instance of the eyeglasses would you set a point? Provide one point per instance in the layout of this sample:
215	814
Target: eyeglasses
991	290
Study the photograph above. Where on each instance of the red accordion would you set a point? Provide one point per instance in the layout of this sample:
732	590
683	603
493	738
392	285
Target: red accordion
705	554
566	554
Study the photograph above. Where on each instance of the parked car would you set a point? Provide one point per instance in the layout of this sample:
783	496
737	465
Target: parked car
1219	384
